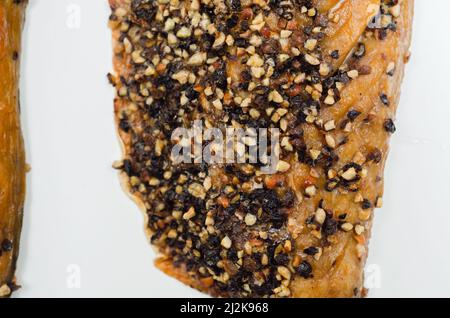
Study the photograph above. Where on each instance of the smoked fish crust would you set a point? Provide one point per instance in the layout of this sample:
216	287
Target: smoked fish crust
325	73
12	155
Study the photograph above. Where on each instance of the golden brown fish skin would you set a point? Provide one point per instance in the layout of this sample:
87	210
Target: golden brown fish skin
325	236
12	156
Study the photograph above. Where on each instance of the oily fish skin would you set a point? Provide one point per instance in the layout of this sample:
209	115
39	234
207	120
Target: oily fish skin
12	157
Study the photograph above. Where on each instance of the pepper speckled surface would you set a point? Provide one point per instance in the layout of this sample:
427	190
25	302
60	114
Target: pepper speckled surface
327	73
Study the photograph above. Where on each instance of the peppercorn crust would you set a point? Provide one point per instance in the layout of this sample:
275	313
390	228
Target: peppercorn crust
326	73
12	157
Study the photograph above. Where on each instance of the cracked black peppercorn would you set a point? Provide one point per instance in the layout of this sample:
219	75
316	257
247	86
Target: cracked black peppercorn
124	125
7	245
335	54
365	204
353	114
304	269
311	251
389	126
128	168
375	156
330	226
235	5
384	99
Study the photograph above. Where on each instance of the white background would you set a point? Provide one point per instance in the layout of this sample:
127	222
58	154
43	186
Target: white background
78	220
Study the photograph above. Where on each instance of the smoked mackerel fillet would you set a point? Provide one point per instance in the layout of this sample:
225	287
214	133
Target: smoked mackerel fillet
12	156
326	73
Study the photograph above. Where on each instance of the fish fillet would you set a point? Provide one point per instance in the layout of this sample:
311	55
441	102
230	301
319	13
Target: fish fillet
12	157
326	73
